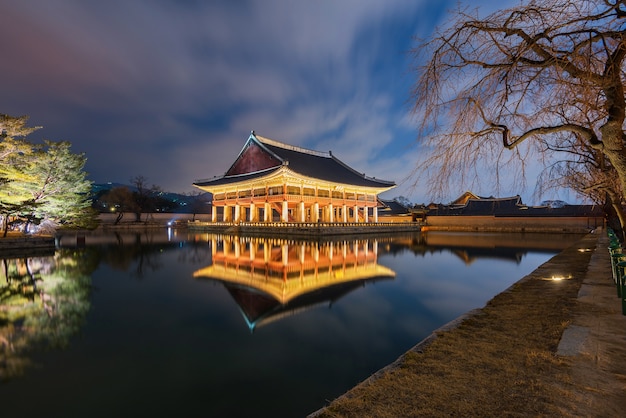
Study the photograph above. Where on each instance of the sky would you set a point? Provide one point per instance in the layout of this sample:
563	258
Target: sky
170	90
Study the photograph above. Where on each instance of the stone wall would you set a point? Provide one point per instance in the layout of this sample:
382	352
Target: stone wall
26	246
159	218
512	224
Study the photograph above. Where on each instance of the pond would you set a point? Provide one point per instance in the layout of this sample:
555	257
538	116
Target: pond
172	323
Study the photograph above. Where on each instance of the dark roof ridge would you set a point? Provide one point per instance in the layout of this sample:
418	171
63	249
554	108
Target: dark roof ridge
269	141
359	173
516	197
236	175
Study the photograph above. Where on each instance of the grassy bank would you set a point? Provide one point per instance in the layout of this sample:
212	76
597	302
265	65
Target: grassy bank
500	361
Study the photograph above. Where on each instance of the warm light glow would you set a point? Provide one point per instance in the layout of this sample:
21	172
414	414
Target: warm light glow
558	277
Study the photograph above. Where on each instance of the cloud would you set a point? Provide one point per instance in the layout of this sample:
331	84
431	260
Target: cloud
170	90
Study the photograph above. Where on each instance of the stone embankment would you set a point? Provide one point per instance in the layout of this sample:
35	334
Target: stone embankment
468	223
26	245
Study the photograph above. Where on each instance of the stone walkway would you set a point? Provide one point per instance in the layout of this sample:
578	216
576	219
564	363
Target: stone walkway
596	341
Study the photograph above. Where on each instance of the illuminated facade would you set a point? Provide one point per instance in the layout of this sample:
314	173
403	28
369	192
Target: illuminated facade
272	181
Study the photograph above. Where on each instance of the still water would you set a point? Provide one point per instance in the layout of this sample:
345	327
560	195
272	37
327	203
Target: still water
170	323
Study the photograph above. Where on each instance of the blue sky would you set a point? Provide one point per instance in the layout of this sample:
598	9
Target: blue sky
171	89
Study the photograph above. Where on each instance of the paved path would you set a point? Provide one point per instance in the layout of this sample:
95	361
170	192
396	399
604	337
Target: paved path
596	341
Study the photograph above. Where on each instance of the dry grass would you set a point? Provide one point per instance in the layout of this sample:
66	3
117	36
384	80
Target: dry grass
498	362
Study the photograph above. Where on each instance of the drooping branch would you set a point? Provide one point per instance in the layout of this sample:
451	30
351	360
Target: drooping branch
586	133
547	70
509	143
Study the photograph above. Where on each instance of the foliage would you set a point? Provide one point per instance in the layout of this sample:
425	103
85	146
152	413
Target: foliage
13	127
61	191
41	183
543	80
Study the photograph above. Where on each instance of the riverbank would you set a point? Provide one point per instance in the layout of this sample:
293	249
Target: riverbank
553	344
26	245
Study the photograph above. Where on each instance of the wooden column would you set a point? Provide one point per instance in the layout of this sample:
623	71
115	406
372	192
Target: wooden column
301	211
237	213
267	212
284	217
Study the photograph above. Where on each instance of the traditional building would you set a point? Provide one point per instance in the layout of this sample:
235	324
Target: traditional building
272	181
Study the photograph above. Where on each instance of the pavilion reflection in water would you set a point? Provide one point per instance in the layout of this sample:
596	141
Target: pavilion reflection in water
270	278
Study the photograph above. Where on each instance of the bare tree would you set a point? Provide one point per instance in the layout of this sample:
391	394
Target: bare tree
534	81
144	196
120	200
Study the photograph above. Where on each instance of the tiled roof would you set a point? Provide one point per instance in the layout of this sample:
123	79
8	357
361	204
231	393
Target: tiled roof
315	164
513	207
393	207
217	181
323	166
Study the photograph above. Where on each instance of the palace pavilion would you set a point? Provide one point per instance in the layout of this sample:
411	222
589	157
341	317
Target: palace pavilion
271	181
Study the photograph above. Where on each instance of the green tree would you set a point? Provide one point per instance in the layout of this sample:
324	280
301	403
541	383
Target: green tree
544	80
15	158
61	191
41	182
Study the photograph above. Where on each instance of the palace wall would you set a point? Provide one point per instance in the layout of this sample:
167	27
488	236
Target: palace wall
513	223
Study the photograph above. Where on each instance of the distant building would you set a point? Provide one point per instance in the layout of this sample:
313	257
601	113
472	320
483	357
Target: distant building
394	211
272	181
470	204
471	212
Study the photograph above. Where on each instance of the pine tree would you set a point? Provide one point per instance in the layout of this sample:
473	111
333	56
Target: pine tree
41	183
61	190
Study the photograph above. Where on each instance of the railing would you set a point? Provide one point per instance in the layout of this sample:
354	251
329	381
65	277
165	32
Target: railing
322	200
305	224
618	267
306	229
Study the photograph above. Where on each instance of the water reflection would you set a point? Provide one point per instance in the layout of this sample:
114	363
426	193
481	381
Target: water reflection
271	278
43	302
470	247
165	323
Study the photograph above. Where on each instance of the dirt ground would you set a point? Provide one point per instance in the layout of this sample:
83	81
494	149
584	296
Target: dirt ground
553	344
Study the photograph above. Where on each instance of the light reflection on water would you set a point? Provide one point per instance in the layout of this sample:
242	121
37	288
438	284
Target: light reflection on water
171	323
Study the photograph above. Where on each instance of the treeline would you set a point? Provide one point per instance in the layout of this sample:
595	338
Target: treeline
42	186
139	198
